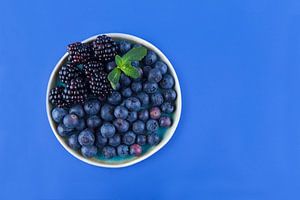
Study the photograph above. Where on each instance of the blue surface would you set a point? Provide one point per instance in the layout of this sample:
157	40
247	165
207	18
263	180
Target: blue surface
238	63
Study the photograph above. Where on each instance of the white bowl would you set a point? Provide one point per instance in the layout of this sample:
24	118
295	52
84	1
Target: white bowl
167	135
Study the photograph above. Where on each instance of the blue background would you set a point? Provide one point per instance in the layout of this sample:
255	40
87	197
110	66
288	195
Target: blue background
238	63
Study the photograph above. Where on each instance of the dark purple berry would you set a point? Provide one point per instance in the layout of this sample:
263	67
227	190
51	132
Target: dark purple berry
165	121
135	150
155	113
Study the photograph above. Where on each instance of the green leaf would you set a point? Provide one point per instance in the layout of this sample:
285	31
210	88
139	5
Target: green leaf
118	60
135	54
114	77
130	71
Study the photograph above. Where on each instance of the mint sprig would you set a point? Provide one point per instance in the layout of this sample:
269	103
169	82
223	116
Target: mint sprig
124	65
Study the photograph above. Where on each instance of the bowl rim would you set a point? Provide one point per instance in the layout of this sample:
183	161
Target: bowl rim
170	130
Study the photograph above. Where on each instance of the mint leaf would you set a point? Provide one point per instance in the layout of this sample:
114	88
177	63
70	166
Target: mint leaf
124	65
118	60
114	77
135	54
130	71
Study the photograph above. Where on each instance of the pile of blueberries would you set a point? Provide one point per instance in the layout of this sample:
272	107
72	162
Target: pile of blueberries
129	119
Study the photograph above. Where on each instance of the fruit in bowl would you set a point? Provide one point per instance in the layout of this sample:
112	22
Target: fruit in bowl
113	100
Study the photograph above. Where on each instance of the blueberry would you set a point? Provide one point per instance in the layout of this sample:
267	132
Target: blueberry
107	130
126	92
146	70
58	114
141	139
101	141
124	46
167	107
108	152
144	98
89	151
156	99
135	63
115	98
93	121
122	150
165	121
114	140
110	66
135	150
121	125
63	130
136	87
155	113
133	104
169	95
150	58
128	138
140	74
150	87
81	125
138	126
121	112
167	82
77	110
71	120
86	137
125	80
144	115
132	116
154	75
107	112
153	139
161	66
152	125
73	142
92	107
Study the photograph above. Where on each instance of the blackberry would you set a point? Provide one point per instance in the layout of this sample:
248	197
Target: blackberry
105	49
79	53
92	67
96	79
56	97
68	72
99	85
75	92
